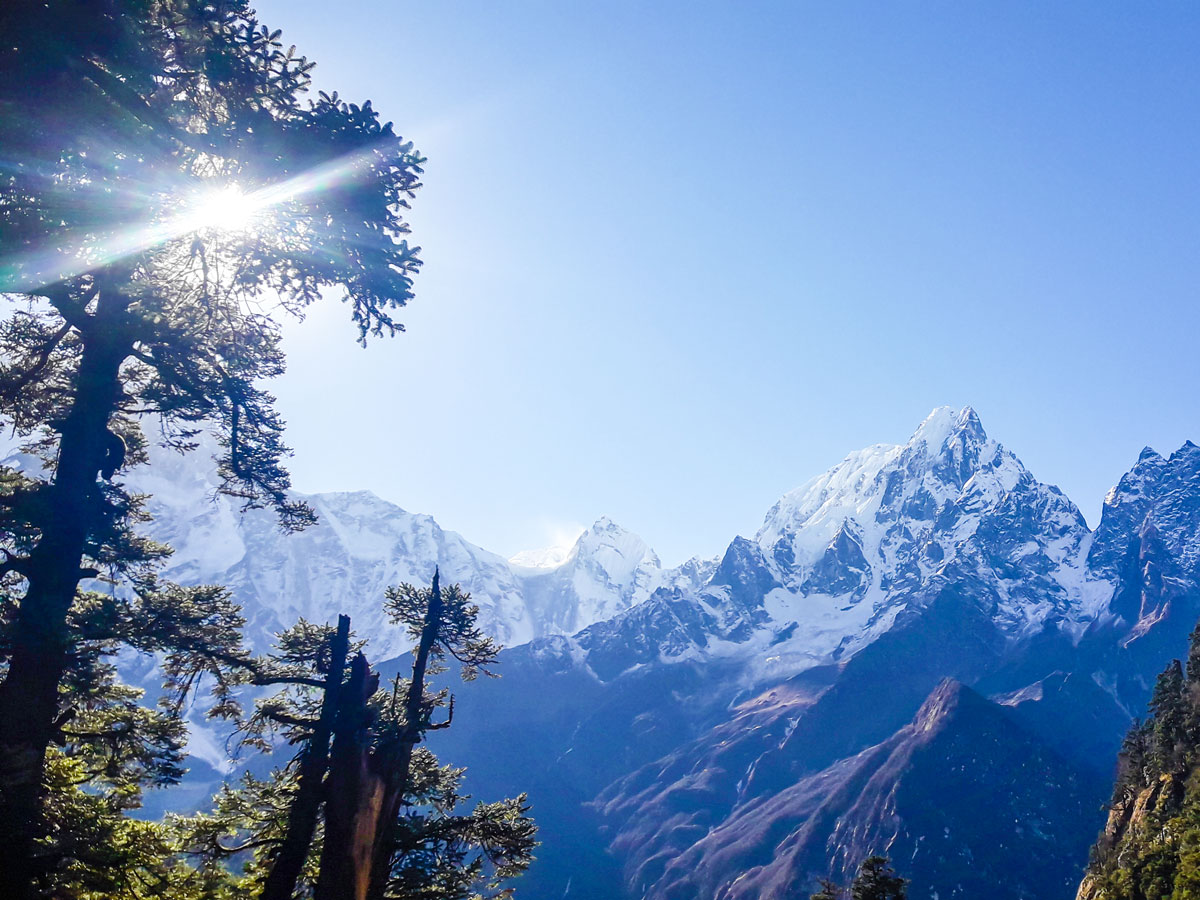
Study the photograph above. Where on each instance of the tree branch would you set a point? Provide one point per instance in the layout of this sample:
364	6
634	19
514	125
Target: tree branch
10	391
435	726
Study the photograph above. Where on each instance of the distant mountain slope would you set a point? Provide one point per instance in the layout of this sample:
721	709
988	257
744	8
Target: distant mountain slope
959	776
362	544
838	560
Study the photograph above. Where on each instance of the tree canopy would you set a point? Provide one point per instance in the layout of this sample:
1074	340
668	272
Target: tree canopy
168	190
363	810
1151	845
874	880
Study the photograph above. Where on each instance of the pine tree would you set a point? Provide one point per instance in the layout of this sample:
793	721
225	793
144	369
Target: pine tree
1169	711
1134	759
122	121
362	811
443	623
876	880
1151	846
828	891
307	657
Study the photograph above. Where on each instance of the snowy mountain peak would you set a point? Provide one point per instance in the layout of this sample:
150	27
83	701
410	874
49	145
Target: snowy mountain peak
362	544
955	441
949	455
605	572
945	423
1159	488
614	548
895	521
618	551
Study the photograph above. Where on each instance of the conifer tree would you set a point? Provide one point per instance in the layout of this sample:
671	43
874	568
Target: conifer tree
131	131
325	654
1169	713
443	623
876	880
362	811
828	890
1134	759
1151	846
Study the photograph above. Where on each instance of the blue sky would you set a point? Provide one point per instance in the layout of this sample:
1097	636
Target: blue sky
680	257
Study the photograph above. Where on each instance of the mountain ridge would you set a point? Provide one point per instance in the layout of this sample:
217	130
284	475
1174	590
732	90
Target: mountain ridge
1052	625
688	697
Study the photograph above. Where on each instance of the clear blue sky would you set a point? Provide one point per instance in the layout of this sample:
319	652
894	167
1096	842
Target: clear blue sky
680	257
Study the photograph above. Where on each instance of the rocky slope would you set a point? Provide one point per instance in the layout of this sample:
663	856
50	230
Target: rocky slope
959	775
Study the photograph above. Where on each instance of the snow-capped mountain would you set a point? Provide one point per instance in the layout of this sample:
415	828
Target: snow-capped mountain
361	544
741	726
775	724
948	503
607	571
884	531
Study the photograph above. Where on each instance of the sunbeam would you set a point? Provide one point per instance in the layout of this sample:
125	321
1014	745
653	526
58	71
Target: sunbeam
226	207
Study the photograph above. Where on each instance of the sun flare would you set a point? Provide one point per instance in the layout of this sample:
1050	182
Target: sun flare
227	209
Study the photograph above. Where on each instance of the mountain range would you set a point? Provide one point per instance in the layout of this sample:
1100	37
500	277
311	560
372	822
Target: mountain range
362	544
923	652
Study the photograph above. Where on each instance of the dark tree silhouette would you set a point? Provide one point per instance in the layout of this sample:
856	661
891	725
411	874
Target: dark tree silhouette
125	126
876	880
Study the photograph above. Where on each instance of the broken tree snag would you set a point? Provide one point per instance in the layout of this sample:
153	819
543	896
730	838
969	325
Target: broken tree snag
353	794
392	761
280	883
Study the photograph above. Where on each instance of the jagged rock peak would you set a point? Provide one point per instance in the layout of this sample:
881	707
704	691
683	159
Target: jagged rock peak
1158	488
942	702
890	482
944	424
950	503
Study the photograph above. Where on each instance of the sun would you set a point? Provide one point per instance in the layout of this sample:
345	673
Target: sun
227	208
224	209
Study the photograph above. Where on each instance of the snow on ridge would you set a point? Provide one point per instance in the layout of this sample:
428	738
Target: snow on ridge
854	545
845	549
361	545
843	491
542	558
607	571
605	546
621	553
938	426
856	489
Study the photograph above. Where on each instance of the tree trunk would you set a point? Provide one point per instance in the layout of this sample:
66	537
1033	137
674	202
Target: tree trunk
353	797
391	766
367	786
40	638
280	883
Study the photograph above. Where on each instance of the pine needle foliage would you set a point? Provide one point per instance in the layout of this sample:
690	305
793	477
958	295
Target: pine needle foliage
874	880
1150	849
364	810
130	129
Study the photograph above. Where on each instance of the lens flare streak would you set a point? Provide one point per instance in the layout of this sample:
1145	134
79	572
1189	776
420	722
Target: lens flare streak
225	208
